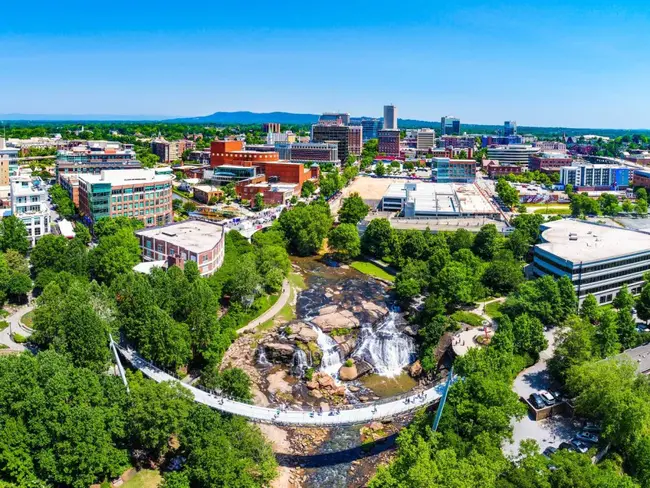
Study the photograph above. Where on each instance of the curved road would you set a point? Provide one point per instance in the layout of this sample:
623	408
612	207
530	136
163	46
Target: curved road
306	418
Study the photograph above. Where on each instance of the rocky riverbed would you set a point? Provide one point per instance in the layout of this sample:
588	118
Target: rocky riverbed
345	345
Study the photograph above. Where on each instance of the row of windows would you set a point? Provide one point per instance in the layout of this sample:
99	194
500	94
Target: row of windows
592	268
618	284
162	201
141	196
609	276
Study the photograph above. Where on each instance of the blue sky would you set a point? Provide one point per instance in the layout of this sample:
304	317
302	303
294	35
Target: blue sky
553	63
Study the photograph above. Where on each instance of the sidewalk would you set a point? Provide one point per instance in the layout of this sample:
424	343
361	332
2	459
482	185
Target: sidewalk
271	312
16	326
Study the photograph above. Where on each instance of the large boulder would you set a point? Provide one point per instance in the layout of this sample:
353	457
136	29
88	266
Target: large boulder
358	369
325	381
279	352
373	309
343	319
348	373
415	369
302	332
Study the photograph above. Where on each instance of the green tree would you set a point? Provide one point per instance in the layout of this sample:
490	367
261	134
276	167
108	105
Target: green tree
259	201
528	335
623	299
575	345
380	169
308	189
456	284
13	235
643	303
488	241
641	207
461	239
18	287
626	328
609	204
108	226
411	280
305	227
66	321
62	201
503	274
115	255
82	233
507	193
376	239
518	243
641	194
589	309
235	383
606	336
157	412
353	210
344	240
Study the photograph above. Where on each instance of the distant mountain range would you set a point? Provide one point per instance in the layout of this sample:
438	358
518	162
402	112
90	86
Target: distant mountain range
244	117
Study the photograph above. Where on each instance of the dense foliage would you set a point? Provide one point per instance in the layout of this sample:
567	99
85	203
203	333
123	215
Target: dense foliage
62	425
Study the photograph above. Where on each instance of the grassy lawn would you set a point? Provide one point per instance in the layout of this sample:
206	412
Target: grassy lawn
28	319
539	205
372	269
296	280
553	211
468	318
492	310
147	478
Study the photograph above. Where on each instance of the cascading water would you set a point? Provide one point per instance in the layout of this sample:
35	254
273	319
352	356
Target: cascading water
300	363
331	360
385	347
262	359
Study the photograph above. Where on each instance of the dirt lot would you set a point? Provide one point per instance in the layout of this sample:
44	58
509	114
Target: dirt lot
370	189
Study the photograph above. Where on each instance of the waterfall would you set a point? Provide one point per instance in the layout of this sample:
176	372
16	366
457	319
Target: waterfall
262	359
385	347
331	360
300	363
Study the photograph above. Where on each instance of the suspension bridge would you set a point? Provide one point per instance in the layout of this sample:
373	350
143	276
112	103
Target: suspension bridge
352	415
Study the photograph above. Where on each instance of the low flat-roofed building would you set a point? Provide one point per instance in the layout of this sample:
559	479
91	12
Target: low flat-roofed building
191	240
599	259
204	193
640	356
436	200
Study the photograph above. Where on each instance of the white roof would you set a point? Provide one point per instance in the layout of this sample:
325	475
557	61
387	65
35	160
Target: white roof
147	266
194	235
66	228
577	241
126	176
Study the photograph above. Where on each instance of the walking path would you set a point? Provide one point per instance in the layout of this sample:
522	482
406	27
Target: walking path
271	312
309	418
16	326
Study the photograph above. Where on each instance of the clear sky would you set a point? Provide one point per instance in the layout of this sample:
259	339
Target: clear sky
574	63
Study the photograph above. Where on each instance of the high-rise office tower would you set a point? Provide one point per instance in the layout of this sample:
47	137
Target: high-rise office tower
390	117
449	126
370	128
510	128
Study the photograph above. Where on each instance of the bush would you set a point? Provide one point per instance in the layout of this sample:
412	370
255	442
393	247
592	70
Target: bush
3	324
309	374
341	331
18	338
349	363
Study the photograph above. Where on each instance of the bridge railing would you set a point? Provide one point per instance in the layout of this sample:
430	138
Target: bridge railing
414	397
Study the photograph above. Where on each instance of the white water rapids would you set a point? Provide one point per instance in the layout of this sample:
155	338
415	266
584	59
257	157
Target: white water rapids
385	347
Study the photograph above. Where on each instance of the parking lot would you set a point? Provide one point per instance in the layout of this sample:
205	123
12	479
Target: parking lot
548	432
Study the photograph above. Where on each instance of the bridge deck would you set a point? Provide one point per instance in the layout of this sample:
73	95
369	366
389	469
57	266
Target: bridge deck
349	416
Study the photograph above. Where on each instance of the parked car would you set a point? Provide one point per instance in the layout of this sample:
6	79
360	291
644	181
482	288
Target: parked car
579	446
536	400
549	451
548	398
588	437
567	446
592	427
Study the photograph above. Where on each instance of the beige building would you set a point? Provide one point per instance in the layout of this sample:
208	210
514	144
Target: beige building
8	156
169	151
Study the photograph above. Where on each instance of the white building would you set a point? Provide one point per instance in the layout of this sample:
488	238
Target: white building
390	117
29	203
8	161
425	139
598	259
512	154
596	176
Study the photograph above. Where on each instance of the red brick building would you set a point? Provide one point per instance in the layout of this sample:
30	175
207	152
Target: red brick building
496	170
548	162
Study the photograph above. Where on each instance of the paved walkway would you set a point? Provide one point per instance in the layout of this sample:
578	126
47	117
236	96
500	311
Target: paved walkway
307	418
16	326
271	312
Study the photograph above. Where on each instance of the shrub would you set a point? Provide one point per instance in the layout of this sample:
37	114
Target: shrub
309	374
349	363
3	324
18	338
